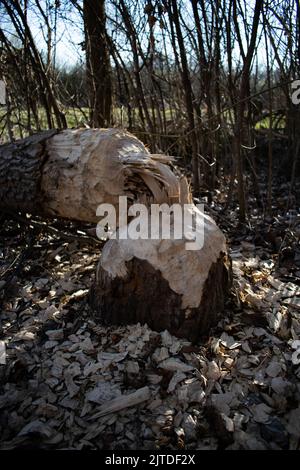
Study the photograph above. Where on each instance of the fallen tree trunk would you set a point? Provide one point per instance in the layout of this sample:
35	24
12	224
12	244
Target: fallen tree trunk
69	173
156	281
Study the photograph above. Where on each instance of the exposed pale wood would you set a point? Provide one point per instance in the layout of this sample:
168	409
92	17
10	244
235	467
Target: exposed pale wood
87	167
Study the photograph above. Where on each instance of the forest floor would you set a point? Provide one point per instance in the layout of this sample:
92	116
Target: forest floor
67	382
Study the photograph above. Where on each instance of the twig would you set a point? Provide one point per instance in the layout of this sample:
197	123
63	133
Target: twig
46	227
18	261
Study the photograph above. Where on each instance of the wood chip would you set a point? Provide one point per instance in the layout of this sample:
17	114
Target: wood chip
125	401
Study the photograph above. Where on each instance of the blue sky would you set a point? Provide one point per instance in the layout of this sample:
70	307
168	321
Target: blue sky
70	35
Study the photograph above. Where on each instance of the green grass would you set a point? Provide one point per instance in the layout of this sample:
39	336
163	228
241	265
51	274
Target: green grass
75	118
277	122
19	120
79	117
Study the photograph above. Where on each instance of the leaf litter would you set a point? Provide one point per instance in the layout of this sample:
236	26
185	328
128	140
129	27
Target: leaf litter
68	382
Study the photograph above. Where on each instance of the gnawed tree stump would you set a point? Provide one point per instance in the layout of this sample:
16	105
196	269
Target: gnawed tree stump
69	173
161	283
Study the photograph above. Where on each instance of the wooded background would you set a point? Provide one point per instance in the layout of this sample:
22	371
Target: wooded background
207	81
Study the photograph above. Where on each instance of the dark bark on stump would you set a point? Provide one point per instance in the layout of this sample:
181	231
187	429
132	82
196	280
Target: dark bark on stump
145	296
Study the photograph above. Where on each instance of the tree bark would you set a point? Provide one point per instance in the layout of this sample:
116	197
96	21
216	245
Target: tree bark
188	92
21	166
240	108
69	173
97	62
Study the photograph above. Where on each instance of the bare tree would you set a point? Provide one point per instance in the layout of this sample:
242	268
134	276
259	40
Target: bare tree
97	62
